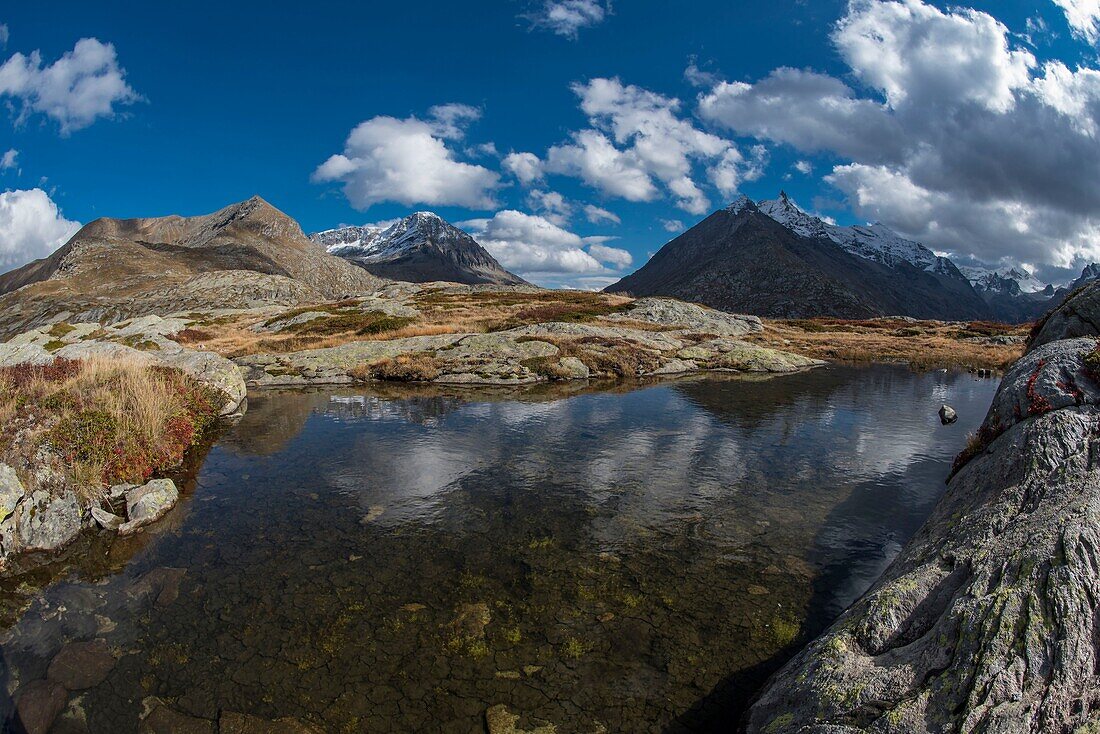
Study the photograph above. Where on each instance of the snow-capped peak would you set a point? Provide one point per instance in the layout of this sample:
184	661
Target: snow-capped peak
391	238
1007	279
872	242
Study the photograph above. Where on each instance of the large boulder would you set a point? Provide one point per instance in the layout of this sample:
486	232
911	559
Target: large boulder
45	522
989	618
1077	316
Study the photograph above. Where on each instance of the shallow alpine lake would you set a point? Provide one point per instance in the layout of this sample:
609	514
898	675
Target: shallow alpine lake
630	558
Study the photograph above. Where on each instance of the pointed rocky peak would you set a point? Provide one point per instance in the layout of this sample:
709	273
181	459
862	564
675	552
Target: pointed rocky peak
253	214
740	204
791	216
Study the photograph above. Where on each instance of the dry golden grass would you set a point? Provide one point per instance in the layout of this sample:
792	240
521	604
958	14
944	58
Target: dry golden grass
923	344
441	313
110	420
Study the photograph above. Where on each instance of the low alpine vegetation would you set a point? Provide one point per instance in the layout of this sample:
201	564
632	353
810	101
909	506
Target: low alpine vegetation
104	421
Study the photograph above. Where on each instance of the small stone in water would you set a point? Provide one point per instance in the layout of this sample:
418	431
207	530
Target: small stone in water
948	415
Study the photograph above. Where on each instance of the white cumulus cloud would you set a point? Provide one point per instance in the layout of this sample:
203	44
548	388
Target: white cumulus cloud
568	17
10	159
84	84
409	161
639	144
672	225
529	244
31	227
526	167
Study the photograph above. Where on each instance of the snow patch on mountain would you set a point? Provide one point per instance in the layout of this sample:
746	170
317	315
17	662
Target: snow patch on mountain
875	242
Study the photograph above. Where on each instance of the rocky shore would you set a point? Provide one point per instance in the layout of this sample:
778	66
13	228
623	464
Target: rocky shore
989	618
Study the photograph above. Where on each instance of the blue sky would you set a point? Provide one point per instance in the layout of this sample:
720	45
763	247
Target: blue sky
198	108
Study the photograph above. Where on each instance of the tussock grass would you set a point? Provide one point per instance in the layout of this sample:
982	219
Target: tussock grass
419	367
109	420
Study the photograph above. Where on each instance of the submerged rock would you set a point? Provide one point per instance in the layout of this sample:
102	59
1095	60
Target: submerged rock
163	720
988	619
230	722
81	665
498	720
37	705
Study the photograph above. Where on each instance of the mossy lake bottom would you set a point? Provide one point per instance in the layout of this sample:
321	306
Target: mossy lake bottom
636	558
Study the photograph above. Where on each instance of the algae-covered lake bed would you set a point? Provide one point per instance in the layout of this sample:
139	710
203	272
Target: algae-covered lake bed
630	558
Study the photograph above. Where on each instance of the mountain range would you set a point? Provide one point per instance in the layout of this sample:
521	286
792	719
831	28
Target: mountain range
422	247
771	258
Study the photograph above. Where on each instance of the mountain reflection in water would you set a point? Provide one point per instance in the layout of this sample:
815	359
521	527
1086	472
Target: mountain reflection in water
638	558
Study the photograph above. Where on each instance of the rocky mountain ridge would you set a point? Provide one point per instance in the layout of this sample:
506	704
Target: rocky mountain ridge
245	255
745	259
1004	294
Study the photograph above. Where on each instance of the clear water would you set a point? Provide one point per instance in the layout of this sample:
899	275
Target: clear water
638	558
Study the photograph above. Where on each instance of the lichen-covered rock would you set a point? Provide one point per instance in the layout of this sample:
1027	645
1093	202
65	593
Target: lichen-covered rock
1077	316
989	618
106	520
11	491
573	369
12	354
148	503
745	357
164	720
690	316
46	522
212	370
1050	377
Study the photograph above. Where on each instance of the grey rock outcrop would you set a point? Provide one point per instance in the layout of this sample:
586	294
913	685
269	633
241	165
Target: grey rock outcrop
988	620
1079	315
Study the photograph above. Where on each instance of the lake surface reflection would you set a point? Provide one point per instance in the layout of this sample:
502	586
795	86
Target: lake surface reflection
625	560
